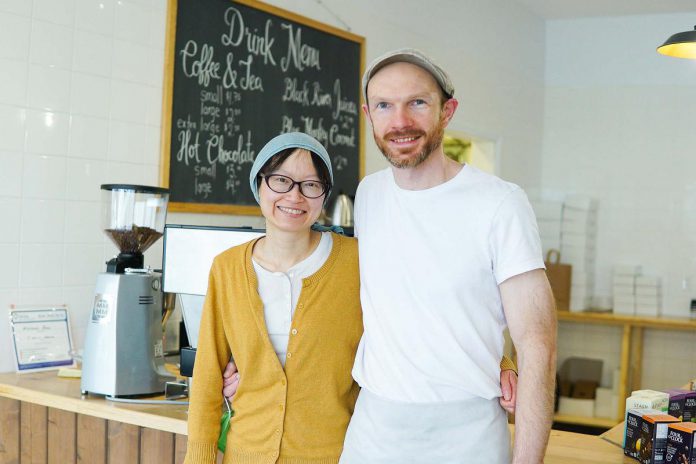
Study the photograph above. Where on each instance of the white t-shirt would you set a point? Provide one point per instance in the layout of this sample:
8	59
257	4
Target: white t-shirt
279	292
430	264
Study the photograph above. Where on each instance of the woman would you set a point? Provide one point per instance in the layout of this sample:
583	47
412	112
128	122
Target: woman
287	308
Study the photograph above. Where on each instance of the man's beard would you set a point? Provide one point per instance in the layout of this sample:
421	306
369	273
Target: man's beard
432	141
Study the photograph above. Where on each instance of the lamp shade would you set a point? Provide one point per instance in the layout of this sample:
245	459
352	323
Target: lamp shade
680	45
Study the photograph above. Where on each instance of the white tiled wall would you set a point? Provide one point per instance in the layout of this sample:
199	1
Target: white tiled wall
80	105
618	126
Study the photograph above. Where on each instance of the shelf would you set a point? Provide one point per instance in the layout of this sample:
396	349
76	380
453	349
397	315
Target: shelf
668	323
604	422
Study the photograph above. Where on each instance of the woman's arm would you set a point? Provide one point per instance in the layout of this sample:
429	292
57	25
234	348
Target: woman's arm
212	354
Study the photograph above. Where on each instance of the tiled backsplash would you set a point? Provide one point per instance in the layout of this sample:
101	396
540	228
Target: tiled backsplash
80	105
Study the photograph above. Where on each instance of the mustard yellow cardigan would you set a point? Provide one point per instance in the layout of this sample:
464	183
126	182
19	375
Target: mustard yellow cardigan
296	415
293	416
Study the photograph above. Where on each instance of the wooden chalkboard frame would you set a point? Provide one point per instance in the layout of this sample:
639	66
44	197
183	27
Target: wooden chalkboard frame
167	102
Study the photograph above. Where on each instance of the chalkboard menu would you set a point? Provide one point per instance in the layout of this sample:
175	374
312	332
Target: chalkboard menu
239	73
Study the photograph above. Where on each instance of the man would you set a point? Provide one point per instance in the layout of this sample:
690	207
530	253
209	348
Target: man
448	256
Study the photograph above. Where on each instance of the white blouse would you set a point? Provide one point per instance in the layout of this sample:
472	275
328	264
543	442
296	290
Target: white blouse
279	292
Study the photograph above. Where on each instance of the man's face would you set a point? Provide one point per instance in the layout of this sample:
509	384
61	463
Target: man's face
407	113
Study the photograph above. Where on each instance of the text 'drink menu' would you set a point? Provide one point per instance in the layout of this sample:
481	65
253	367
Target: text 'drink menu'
242	74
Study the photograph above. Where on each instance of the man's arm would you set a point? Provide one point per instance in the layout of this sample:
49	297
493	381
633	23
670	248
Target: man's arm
230	380
531	316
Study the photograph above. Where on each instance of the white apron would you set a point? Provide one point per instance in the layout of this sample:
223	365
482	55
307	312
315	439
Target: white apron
383	431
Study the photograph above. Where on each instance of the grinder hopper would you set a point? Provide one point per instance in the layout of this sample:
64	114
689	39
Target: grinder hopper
134	217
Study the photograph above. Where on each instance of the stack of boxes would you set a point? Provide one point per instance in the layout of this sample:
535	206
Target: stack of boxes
578	247
636	294
624	288
651	435
607	398
548	215
648	296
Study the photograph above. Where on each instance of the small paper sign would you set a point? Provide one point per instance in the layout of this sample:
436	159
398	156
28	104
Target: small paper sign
41	338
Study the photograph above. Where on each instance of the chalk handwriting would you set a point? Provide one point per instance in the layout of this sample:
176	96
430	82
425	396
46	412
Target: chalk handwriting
242	154
299	55
203	68
342	105
187	150
255	44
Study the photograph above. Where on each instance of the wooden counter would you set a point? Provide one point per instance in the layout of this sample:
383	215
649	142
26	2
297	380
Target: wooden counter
45	419
58	425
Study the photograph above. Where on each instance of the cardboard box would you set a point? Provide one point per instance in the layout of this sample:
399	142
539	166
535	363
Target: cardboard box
645	435
681	404
680	443
655	427
585	389
606	402
576	407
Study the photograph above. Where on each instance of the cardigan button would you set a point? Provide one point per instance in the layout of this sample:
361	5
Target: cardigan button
294	331
289	355
282	381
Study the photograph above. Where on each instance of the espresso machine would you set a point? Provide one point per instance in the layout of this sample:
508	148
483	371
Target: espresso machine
123	352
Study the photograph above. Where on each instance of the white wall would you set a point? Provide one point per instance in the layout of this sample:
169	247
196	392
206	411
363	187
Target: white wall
80	100
619	126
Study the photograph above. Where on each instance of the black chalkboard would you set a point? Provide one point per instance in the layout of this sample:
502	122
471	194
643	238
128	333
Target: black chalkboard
240	73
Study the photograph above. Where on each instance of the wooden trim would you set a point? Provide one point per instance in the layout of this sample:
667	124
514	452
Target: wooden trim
156	446
62	436
91	439
9	430
636	359
582	420
625	359
123	442
292	16
167	93
33	433
243	210
666	323
180	445
361	116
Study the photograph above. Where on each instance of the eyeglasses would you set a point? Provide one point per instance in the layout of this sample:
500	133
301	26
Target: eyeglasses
283	184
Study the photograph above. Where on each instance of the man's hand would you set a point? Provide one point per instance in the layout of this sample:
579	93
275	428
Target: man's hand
508	384
230	380
531	316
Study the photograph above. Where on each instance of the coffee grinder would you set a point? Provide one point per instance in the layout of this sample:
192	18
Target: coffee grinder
123	352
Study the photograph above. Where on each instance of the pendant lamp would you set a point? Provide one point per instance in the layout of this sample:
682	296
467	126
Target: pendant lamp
680	45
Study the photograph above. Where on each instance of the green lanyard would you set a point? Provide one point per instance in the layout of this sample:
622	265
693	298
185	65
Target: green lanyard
225	426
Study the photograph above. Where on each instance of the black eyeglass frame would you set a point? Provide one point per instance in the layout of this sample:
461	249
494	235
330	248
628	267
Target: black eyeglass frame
265	177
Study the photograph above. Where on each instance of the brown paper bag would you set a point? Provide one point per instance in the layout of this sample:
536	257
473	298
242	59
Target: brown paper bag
559	277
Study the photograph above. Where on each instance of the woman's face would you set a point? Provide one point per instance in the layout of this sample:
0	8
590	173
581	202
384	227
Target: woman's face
291	211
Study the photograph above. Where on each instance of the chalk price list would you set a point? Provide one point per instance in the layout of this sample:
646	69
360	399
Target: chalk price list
212	139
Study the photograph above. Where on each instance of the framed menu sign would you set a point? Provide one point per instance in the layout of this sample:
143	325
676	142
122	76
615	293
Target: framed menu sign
238	73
